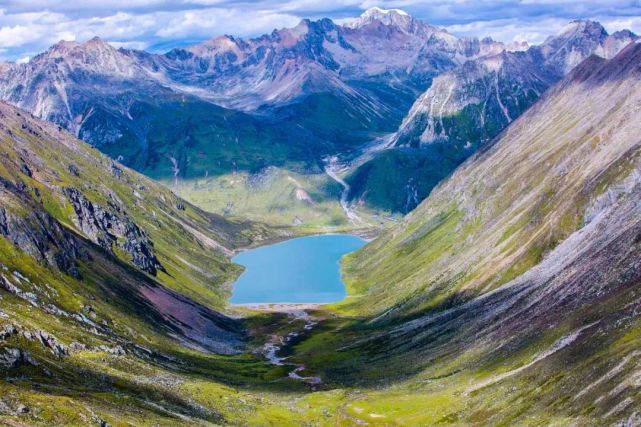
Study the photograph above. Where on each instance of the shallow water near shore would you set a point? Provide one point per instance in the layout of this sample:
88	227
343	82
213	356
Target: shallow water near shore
301	270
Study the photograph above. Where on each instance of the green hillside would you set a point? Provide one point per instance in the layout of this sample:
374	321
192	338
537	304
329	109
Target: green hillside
509	297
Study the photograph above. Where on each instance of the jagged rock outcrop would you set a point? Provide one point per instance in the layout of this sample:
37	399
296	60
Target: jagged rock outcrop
38	233
48	341
13	357
113	227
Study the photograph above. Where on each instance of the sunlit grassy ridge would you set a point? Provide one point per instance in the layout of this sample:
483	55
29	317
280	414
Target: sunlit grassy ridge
275	195
501	212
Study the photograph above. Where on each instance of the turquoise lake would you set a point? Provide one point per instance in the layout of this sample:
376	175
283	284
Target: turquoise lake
302	270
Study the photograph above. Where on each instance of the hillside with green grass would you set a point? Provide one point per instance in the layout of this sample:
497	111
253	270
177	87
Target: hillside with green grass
510	296
98	266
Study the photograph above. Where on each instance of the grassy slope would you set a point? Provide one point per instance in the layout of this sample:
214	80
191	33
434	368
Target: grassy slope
272	195
502	211
396	180
445	327
105	306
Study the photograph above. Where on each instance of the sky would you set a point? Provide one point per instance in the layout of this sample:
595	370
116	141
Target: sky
28	27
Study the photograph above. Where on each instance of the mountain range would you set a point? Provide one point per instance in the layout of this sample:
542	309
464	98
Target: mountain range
290	100
508	295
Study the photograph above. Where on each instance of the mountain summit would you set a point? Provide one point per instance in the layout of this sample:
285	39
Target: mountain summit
394	18
384	16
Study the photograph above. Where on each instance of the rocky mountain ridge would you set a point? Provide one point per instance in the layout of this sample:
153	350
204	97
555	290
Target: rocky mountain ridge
297	96
468	106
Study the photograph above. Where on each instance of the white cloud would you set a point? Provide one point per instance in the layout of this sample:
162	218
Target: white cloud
16	35
211	22
632	23
509	30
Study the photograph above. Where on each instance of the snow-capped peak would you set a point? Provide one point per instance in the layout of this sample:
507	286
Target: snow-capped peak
389	17
377	11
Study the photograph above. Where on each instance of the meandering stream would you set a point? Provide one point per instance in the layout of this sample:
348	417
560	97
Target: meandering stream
331	169
276	342
334	166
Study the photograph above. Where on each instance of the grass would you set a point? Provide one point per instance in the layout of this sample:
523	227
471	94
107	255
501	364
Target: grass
404	349
276	196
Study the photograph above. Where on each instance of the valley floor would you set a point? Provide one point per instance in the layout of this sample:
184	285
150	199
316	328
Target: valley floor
303	366
307	202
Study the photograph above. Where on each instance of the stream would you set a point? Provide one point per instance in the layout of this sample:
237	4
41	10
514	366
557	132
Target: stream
277	342
331	169
334	165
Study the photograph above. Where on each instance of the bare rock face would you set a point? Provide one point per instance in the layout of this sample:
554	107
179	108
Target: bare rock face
471	104
50	342
12	358
108	227
38	233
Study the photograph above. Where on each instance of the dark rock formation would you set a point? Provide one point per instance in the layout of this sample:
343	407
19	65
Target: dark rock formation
12	358
108	227
39	234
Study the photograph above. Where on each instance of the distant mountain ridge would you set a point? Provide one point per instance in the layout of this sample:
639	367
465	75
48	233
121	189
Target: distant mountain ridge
469	105
495	89
269	69
297	96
